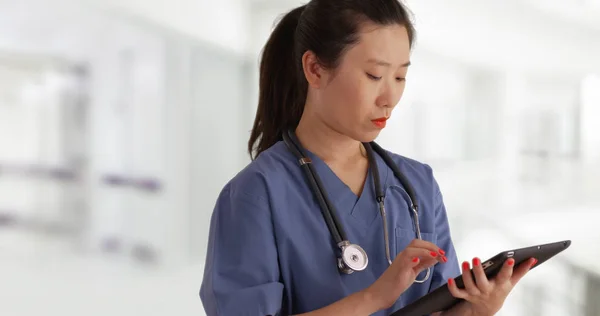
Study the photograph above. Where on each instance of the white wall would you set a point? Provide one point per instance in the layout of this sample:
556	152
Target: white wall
420	127
501	35
153	106
505	35
590	118
125	123
220	22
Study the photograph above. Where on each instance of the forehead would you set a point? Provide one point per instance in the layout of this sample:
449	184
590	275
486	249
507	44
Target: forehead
389	42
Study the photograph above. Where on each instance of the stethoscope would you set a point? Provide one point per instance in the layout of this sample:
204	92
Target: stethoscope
352	257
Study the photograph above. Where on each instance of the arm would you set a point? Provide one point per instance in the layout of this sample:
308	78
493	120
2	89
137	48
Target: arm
241	275
358	304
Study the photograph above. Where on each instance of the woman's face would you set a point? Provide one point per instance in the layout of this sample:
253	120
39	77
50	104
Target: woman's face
355	98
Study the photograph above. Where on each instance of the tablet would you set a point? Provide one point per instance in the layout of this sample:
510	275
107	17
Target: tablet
441	299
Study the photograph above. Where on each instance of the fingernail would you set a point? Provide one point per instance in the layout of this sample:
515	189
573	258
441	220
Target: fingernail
476	262
450	281
534	262
415	260
465	265
434	254
441	252
444	259
511	261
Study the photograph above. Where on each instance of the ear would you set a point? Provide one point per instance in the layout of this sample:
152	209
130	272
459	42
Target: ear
313	72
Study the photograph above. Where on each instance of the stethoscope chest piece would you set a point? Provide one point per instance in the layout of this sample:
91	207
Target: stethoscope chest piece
353	258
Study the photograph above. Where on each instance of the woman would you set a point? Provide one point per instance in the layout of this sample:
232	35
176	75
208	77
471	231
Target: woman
330	76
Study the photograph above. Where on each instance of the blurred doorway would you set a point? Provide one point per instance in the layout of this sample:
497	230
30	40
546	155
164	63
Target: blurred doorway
43	151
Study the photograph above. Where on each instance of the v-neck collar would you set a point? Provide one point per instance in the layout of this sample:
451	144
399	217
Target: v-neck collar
346	202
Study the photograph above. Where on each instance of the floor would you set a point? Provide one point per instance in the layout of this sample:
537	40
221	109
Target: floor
70	285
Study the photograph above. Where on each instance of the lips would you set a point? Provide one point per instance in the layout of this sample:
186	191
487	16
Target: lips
380	122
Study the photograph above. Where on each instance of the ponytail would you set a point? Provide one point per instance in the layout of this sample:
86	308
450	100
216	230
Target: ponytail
282	86
326	28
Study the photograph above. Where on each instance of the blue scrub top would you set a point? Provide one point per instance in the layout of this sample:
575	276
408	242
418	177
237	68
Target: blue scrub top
270	251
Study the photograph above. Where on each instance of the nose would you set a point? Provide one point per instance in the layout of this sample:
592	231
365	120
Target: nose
390	94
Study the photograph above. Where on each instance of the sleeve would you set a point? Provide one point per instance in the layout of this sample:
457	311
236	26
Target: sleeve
241	275
451	269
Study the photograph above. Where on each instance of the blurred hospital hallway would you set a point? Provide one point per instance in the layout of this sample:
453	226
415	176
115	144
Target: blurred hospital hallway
113	145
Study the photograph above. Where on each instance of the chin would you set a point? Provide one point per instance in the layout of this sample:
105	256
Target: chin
367	137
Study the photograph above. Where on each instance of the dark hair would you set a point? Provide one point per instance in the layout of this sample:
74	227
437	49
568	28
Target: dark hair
325	27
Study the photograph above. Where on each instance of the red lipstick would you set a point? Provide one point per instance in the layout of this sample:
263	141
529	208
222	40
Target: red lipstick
380	122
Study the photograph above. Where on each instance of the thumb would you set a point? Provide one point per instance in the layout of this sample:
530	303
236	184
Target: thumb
424	264
416	263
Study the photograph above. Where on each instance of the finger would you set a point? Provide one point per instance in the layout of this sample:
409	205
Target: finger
413	257
419	243
506	271
522	269
470	285
480	278
418	264
433	254
424	254
455	291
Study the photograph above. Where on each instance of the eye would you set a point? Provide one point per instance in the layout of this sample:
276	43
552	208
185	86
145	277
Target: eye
400	79
373	77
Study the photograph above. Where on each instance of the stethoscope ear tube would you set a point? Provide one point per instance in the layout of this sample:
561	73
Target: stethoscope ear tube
403	180
380	196
331	219
414	208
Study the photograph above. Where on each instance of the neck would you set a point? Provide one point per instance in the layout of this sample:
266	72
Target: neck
322	140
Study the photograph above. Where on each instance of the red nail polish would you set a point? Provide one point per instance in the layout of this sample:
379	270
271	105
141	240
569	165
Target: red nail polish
444	259
465	265
450	281
511	261
415	260
434	254
534	262
476	262
442	252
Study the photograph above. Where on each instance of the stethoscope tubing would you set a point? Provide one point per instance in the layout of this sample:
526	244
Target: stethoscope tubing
327	208
331	219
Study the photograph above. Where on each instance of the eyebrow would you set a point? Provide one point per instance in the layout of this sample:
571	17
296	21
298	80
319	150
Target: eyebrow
380	62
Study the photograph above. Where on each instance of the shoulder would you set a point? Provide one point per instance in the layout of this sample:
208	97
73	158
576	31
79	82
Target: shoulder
418	173
269	168
411	166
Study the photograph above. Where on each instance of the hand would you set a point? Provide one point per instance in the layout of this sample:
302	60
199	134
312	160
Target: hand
485	297
415	258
